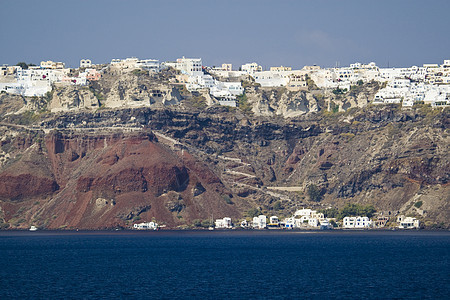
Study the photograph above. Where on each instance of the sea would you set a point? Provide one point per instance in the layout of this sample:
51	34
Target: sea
224	265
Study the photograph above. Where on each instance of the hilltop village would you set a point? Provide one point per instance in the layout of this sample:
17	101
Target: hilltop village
428	84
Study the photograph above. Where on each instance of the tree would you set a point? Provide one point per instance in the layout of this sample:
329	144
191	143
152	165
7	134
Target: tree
353	210
277	206
330	212
22	64
314	193
254	212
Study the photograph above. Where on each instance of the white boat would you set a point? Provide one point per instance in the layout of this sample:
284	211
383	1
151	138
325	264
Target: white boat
325	225
33	228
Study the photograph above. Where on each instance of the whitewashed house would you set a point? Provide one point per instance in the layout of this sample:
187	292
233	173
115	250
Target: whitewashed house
146	226
407	222
289	222
271	78
273	220
189	66
85	63
52	65
251	68
357	222
260	222
151	65
223	223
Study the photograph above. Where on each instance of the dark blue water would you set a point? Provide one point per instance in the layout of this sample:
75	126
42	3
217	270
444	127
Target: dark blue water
224	265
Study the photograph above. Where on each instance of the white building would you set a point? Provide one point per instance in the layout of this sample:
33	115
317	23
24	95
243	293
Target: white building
251	68
227	67
289	222
271	78
52	65
407	222
190	66
146	226
127	63
223	223
260	222
85	63
280	69
27	88
273	220
151	65
303	212
357	222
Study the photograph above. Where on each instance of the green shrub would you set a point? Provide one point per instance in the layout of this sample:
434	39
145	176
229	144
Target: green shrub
139	72
207	223
339	91
227	199
277	206
418	204
353	210
348	135
253	212
243	104
314	193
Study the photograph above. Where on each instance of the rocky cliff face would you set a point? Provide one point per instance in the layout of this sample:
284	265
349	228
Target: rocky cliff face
282	102
131	89
112	167
70	97
107	180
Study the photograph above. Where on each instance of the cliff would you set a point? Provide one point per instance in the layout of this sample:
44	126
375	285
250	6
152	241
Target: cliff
106	180
111	165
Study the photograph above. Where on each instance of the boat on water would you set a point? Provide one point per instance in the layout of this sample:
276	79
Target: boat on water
325	225
33	228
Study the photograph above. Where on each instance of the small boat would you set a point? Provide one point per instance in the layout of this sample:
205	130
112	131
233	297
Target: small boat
325	225
33	228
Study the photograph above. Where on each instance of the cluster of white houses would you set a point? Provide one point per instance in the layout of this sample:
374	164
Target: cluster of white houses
428	84
311	219
303	219
38	80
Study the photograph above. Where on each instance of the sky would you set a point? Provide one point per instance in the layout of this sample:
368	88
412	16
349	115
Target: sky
395	33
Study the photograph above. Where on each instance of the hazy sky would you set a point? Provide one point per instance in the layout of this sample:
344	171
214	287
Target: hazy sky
271	32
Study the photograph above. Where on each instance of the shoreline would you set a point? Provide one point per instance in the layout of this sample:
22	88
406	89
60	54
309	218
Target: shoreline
257	232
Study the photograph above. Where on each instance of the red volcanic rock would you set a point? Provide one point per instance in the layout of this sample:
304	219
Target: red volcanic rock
25	185
28	177
103	181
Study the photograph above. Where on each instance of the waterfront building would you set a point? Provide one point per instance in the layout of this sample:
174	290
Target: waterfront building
407	222
259	222
273	220
223	223
381	221
357	222
289	222
146	226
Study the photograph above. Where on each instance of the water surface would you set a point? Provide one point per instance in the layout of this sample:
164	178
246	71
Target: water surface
225	265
